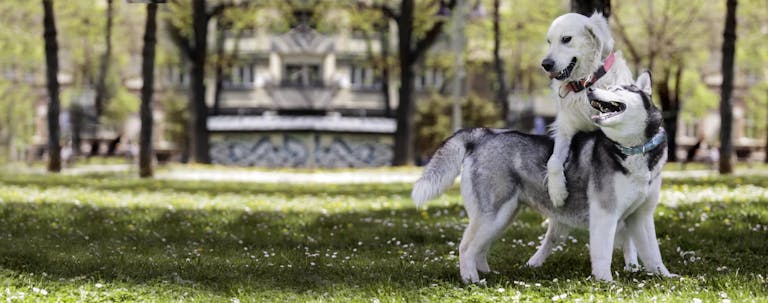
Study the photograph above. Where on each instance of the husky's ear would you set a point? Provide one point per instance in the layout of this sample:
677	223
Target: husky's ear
599	30
644	82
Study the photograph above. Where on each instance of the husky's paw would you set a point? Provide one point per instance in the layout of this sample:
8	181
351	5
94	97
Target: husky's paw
535	262
556	188
468	270
470	278
662	271
604	276
633	267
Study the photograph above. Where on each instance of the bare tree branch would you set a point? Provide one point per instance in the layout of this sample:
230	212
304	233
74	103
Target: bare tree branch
625	38
385	9
181	41
220	8
423	44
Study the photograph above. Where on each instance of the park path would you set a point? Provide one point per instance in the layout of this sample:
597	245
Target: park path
346	176
264	176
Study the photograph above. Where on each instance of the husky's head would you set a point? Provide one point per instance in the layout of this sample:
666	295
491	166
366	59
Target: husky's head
626	113
577	46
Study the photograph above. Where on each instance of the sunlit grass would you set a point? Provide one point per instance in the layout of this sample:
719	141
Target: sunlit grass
112	237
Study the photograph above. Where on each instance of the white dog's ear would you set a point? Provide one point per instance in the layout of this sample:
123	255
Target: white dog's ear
644	82
599	30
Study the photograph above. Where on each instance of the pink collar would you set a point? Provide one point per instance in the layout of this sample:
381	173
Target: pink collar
580	85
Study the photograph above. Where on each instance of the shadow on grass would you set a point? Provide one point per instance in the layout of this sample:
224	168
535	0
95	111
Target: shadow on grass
220	250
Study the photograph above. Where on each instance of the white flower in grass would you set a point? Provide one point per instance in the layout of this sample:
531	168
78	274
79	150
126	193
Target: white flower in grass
696	300
99	285
559	297
501	289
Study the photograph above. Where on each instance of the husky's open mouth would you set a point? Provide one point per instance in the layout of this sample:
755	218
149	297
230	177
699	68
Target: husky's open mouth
565	73
607	109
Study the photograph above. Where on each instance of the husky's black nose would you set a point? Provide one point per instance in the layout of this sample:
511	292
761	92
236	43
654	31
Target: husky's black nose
548	64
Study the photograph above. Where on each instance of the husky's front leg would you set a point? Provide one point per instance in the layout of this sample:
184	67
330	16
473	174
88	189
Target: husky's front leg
555	170
602	230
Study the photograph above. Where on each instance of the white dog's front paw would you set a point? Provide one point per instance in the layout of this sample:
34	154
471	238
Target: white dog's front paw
556	188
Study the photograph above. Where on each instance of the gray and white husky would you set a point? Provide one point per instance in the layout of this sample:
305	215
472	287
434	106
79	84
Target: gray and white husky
614	173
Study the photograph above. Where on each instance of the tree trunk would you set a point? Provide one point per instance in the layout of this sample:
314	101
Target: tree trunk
148	76
671	125
404	137
52	70
101	86
76	116
198	109
726	108
219	66
409	52
671	106
385	69
588	7
502	94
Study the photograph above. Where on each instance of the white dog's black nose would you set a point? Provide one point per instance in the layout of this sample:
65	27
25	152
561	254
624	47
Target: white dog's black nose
548	64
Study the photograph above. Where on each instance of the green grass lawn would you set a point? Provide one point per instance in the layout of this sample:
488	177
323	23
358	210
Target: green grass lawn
116	238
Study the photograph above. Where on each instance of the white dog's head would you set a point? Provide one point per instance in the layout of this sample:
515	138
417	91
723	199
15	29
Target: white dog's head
577	46
625	113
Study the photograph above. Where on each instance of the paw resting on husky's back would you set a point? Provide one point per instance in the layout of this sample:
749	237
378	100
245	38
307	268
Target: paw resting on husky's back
556	186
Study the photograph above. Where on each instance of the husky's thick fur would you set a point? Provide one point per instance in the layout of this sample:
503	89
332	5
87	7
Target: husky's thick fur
611	186
578	47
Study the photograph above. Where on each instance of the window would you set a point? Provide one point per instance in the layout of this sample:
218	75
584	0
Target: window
363	78
690	128
240	76
177	76
750	127
430	78
302	75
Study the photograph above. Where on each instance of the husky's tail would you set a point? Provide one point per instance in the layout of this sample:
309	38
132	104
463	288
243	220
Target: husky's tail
445	165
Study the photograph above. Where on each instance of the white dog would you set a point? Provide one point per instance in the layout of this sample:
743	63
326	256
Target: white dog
580	56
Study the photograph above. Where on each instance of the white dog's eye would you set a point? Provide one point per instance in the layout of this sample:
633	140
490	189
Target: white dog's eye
565	39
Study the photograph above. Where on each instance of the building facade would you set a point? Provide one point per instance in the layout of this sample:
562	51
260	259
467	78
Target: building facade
301	99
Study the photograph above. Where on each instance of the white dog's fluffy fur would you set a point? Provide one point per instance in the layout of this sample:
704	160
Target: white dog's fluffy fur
589	41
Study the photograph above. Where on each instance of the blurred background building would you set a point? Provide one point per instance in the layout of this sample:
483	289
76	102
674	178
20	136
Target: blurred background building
314	83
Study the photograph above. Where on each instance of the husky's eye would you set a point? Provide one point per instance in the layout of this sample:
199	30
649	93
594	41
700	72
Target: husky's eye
565	39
